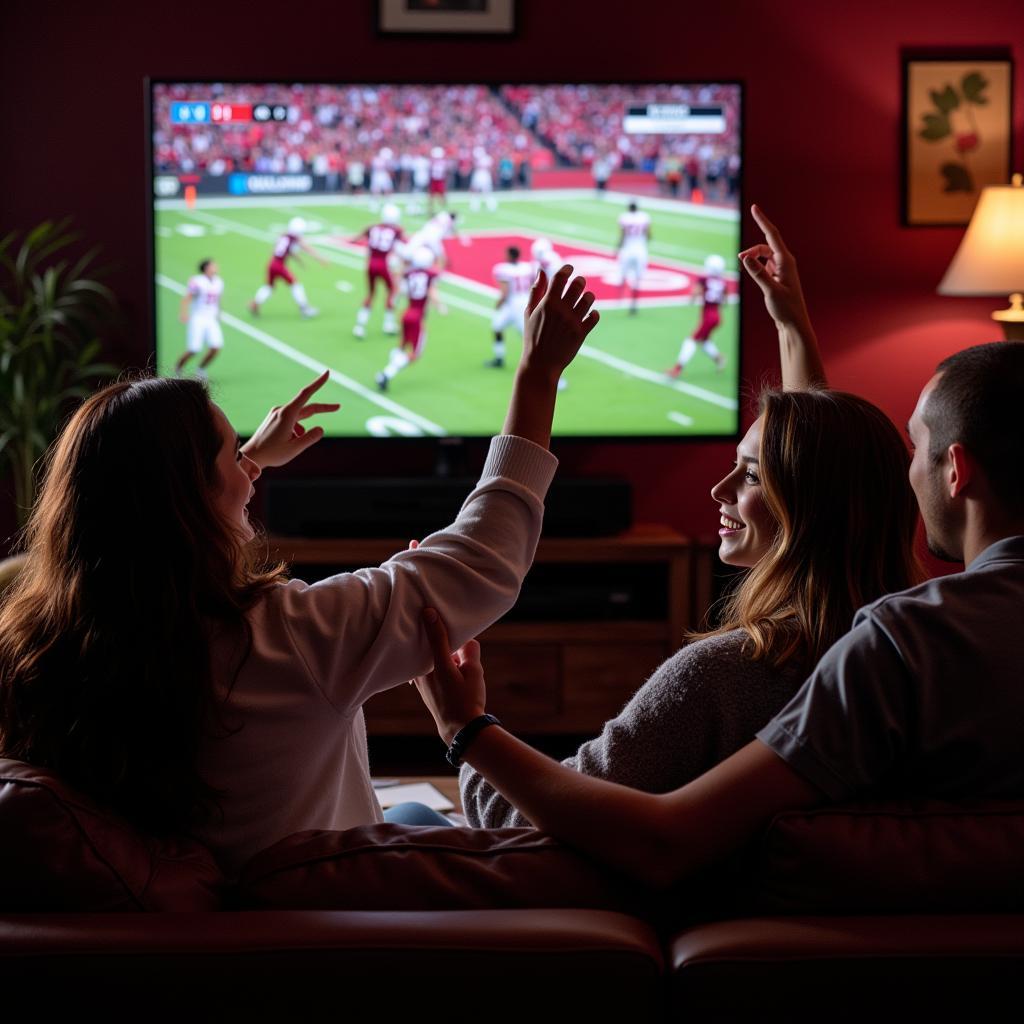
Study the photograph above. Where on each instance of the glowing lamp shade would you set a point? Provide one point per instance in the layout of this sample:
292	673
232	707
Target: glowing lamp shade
990	260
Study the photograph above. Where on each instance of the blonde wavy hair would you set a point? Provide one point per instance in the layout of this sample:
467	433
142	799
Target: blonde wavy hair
833	473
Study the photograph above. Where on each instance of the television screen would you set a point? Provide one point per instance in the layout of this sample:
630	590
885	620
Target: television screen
391	232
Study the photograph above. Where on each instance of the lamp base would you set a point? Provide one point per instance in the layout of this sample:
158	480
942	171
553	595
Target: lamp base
1012	319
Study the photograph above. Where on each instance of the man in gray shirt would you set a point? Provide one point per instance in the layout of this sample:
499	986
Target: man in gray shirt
924	696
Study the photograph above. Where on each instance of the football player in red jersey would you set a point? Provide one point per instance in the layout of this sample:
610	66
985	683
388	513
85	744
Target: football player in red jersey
419	286
381	239
711	288
285	248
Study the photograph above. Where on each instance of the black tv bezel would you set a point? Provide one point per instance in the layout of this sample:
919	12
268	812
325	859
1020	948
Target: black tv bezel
557	440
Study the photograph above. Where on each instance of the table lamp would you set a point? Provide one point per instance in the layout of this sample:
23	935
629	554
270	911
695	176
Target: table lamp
990	260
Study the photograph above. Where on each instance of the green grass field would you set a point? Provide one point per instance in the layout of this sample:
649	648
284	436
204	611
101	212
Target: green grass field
616	386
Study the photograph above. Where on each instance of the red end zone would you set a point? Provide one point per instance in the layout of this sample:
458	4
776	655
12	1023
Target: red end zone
663	280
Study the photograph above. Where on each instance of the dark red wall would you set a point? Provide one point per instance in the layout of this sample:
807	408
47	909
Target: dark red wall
822	151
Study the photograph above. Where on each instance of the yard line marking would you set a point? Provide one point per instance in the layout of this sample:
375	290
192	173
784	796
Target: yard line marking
612	199
341	379
343	286
631	369
678	417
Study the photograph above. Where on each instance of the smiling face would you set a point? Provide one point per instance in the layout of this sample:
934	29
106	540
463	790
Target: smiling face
748	528
236	473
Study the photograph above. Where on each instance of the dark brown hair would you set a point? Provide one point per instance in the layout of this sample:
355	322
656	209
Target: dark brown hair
834	475
976	401
105	673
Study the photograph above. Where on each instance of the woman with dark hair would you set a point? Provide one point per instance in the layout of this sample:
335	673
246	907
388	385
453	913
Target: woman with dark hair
148	659
819	510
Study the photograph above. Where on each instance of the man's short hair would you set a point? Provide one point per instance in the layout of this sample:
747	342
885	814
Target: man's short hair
977	402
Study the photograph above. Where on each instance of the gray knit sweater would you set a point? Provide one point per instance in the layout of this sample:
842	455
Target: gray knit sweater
697	708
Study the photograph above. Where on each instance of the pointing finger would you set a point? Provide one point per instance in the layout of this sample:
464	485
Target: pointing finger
771	232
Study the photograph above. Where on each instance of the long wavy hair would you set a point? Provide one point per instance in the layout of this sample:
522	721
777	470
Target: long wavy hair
834	476
105	673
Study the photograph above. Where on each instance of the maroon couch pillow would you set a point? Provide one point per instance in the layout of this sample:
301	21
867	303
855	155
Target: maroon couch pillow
893	858
402	867
60	851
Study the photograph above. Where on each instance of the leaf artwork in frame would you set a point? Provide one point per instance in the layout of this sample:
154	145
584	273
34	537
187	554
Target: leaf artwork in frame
957	116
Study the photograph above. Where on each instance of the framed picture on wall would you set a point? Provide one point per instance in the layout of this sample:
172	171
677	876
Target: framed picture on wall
957	124
447	17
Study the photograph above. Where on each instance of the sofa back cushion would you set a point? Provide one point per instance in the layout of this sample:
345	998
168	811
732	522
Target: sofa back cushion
60	851
892	858
404	867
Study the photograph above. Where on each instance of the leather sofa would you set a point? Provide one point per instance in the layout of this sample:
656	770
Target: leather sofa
837	913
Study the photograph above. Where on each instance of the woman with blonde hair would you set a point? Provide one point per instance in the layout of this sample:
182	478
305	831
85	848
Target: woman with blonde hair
818	509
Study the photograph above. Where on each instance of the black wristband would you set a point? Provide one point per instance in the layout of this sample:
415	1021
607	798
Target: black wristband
462	739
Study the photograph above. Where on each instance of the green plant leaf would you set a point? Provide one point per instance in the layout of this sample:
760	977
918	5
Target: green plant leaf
936	126
973	86
958	178
946	100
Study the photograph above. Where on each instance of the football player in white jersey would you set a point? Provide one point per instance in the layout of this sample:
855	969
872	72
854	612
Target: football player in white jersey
200	310
381	184
481	183
432	236
544	258
287	247
711	289
634	234
515	279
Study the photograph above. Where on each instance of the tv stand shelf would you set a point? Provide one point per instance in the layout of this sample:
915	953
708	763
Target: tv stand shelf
550	675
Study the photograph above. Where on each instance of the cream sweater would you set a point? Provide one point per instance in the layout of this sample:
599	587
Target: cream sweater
293	754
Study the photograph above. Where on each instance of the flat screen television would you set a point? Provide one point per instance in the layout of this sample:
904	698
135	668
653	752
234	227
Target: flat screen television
275	203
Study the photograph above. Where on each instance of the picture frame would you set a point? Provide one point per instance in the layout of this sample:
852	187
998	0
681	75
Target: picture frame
446	17
956	134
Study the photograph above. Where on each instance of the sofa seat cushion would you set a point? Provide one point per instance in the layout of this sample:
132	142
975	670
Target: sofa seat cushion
850	968
61	851
892	858
403	867
279	965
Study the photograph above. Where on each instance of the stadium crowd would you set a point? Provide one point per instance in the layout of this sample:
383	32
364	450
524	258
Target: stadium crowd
338	131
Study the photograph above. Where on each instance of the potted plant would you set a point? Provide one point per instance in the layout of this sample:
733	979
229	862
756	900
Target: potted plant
52	314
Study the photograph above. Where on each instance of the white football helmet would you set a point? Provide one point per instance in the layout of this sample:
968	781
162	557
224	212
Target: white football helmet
437	152
423	258
714	264
386	153
296	226
539	248
390	214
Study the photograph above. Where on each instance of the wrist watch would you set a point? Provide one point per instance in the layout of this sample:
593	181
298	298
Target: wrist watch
462	739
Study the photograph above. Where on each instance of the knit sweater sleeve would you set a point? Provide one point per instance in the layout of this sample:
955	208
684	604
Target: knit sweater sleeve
697	708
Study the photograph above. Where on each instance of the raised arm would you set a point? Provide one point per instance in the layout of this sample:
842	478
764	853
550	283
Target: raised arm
773	268
657	839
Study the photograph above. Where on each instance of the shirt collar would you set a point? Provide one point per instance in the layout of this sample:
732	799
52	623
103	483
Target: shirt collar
1009	549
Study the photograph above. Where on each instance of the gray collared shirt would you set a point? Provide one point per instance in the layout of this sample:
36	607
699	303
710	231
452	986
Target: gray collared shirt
924	696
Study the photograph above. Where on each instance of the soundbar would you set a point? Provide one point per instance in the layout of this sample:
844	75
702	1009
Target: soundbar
388	507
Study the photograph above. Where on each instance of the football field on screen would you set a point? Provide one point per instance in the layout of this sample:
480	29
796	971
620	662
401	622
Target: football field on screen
617	386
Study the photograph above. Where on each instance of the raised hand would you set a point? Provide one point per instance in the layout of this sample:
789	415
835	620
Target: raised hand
558	319
773	268
281	436
454	692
